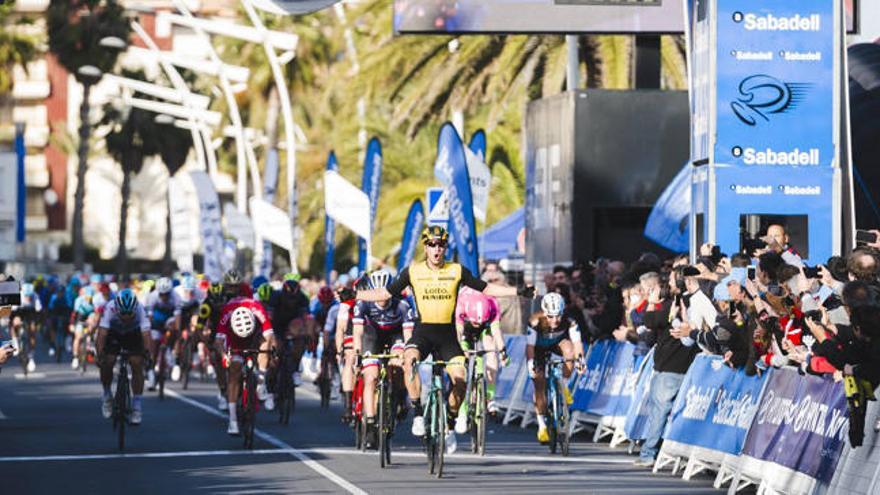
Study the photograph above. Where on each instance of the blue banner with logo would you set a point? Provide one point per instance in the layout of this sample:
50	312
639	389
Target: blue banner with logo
371	182
637	414
330	228
715	405
802	424
450	168
607	386
775	73
415	221
22	192
775	116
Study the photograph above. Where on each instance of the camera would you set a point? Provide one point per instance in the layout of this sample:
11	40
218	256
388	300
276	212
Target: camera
751	244
811	272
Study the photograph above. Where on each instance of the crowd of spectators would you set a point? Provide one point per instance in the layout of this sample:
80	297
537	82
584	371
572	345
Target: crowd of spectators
760	308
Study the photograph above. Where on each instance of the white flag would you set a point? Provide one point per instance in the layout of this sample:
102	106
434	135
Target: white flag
347	204
481	182
210	224
181	233
271	223
238	225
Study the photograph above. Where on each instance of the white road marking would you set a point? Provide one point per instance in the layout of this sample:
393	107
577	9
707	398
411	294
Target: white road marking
3	416
299	454
22	376
141	455
488	457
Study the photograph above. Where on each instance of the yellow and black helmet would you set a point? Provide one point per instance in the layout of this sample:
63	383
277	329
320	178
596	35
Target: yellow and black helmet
434	233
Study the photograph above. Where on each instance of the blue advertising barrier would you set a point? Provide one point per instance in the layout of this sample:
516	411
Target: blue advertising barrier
801	424
715	405
637	415
606	388
506	379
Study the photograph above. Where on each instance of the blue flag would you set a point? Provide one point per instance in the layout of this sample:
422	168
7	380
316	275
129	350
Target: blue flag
370	184
330	227
415	219
477	144
450	168
20	205
668	223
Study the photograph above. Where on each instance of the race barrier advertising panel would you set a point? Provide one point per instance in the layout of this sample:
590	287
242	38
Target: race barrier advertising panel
801	423
715	406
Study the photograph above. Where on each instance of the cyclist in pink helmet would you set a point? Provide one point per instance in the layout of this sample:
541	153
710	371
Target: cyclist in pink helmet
478	318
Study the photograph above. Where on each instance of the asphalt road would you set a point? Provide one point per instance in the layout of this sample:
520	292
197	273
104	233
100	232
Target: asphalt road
54	440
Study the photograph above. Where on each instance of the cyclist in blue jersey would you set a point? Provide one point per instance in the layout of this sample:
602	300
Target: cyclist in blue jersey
83	319
379	328
163	307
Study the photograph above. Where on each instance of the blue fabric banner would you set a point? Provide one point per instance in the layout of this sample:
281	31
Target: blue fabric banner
371	182
415	220
450	168
715	405
22	192
802	424
637	415
668	222
477	144
330	228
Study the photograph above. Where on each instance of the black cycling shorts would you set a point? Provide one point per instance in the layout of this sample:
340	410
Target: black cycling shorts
377	342
133	342
544	346
439	339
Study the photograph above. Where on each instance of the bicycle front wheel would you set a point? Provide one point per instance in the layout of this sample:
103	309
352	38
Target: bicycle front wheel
563	422
439	431
383	422
551	425
480	417
250	410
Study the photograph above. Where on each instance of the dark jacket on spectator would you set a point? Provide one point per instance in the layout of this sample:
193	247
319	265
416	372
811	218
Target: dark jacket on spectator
612	314
670	355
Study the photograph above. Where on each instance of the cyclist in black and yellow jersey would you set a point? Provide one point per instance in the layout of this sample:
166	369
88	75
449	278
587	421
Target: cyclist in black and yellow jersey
435	284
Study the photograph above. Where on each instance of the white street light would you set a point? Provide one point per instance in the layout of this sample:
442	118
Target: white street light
90	71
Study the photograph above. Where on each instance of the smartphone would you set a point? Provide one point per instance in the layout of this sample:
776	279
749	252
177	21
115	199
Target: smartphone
811	272
752	272
10	293
865	237
731	310
7	343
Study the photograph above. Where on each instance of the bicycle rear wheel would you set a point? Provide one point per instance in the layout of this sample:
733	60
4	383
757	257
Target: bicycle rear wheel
24	348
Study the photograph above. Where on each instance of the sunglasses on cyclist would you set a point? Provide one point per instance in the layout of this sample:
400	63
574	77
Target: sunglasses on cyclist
434	244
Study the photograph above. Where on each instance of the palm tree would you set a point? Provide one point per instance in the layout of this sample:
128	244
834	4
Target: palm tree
16	47
133	136
76	29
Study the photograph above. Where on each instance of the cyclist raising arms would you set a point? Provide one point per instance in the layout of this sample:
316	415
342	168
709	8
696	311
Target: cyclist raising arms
551	331
380	327
124	325
435	284
478	319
